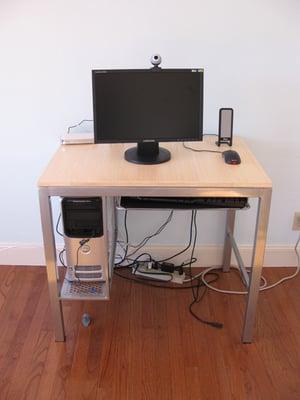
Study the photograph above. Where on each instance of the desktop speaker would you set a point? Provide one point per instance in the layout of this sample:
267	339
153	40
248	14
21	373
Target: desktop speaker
85	239
225	126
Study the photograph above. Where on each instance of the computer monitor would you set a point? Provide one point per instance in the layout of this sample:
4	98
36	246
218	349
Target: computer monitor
147	107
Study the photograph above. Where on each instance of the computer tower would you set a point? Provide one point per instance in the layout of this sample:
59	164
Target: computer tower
86	241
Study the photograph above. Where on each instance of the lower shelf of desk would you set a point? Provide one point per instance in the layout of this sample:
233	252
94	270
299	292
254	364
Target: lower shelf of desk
84	290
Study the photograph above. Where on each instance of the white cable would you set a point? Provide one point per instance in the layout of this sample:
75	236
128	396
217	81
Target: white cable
205	272
264	286
286	278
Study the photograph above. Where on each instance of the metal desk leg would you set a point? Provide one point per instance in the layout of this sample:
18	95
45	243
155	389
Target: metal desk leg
230	218
50	255
257	263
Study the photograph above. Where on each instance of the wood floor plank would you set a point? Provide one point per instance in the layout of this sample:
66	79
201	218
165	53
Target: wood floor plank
245	367
277	339
65	361
83	377
7	277
144	343
31	362
24	308
113	378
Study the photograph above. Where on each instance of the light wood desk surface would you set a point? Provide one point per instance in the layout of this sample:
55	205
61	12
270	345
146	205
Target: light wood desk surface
103	165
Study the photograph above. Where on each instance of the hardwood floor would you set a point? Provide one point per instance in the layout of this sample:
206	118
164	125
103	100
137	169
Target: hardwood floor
144	344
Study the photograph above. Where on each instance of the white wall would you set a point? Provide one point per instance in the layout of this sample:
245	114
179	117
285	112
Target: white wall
250	51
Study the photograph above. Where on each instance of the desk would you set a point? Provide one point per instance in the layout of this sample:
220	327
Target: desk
100	170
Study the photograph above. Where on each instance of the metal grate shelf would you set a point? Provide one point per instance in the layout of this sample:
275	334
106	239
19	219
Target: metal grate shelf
84	290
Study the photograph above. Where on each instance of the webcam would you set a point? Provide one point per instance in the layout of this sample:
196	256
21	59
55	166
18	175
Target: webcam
155	60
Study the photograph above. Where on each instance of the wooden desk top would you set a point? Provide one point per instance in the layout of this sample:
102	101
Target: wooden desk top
103	165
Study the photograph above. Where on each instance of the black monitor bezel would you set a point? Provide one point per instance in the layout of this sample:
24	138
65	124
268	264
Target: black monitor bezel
151	70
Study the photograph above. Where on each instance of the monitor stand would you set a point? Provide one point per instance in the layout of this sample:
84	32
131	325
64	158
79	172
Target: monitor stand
147	153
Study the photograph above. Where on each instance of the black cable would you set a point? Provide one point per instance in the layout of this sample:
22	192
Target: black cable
77	260
201	151
81	122
186	264
127	257
155	233
126	235
194	223
144	241
57	223
82	242
197	300
149	282
147	238
195	288
134	261
196	292
60	256
187	247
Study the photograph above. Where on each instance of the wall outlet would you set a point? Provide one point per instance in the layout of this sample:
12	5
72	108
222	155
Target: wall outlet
296	222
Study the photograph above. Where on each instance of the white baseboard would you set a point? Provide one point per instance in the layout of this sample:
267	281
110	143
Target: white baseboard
21	254
275	256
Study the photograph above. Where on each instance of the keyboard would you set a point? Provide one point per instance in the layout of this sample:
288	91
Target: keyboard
185	203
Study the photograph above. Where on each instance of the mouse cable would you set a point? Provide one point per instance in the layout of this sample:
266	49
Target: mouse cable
201	151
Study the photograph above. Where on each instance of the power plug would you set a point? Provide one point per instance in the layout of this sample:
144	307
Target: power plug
178	278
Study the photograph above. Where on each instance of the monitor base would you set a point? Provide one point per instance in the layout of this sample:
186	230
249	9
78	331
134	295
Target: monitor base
147	153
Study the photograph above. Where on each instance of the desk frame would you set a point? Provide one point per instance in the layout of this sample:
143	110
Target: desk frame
264	201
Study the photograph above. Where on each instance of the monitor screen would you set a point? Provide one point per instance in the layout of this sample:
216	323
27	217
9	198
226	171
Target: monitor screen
147	105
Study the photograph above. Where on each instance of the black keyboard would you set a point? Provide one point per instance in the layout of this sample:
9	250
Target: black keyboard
184	202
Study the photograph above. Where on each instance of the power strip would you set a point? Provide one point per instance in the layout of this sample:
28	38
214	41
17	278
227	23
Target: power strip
151	273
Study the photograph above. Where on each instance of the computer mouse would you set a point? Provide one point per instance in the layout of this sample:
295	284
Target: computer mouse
231	157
